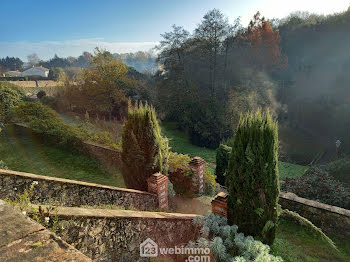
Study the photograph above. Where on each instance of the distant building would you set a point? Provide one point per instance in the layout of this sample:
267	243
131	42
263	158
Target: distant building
14	73
36	71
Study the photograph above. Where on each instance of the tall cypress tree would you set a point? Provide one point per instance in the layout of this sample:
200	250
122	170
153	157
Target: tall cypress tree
253	177
145	151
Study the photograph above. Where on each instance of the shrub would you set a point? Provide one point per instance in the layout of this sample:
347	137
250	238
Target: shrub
41	94
180	173
209	183
29	111
339	167
227	244
252	177
222	157
318	185
51	101
178	161
2	165
9	99
145	151
45	121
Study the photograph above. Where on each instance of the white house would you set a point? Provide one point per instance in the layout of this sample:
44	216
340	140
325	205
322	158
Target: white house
36	71
14	73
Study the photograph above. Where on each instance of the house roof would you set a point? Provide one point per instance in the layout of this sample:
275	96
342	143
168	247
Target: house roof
14	72
39	68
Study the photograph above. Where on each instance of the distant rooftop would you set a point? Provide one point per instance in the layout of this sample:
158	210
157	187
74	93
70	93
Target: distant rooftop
40	68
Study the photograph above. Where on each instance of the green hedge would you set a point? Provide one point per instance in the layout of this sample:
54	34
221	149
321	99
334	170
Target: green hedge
46	122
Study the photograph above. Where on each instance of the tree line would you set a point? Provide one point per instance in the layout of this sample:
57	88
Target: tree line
141	61
212	75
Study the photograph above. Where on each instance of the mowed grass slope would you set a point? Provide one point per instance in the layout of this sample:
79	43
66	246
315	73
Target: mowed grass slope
295	243
28	154
180	143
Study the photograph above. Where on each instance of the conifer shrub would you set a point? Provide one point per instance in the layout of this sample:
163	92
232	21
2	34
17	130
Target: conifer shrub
144	150
252	177
222	157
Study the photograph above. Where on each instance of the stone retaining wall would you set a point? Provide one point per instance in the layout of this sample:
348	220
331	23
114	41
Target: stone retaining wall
330	219
116	235
105	155
72	193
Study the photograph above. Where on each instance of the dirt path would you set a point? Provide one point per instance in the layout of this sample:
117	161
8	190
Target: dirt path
200	205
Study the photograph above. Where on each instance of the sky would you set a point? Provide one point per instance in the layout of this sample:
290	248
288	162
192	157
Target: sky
69	27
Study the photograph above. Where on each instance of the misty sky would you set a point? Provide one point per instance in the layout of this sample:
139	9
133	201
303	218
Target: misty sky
67	28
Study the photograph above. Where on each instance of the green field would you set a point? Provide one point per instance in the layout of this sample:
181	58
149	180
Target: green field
294	243
290	170
29	154
180	143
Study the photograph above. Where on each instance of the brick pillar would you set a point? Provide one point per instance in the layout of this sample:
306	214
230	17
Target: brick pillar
219	204
197	165
158	184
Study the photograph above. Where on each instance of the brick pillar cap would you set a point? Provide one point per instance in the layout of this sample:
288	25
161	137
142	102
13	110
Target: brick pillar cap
221	196
196	161
156	178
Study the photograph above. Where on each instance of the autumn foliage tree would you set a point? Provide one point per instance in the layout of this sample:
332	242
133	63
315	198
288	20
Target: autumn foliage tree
264	52
102	88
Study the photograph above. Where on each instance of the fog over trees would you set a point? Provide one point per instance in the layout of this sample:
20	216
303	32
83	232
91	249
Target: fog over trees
296	67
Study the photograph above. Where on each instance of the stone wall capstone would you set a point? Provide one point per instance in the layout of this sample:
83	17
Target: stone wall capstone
330	219
66	192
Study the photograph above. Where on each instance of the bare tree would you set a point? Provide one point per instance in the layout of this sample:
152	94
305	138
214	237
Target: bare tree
33	59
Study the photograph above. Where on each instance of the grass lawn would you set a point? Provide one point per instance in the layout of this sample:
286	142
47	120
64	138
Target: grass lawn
290	170
180	143
27	154
294	243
